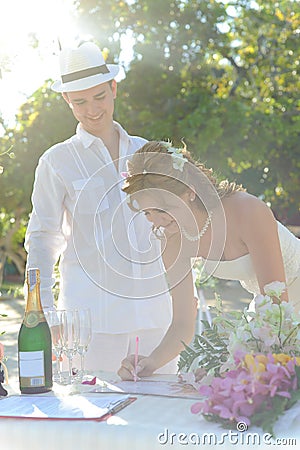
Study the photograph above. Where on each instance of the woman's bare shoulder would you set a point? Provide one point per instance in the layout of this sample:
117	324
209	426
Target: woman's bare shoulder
251	214
246	205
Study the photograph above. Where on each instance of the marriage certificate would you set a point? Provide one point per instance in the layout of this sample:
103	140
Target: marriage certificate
64	407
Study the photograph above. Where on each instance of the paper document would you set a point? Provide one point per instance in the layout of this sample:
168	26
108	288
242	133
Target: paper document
65	407
148	386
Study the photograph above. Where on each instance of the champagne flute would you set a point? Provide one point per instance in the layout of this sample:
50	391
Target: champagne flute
54	319
85	334
70	337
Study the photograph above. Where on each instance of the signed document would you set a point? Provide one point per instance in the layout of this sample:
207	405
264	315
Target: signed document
154	385
65	407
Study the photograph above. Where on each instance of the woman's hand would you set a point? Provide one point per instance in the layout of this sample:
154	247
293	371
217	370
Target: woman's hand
145	367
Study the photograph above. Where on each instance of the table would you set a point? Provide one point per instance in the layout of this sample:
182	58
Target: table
150	423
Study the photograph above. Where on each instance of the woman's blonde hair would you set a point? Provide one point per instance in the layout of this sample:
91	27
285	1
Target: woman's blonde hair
159	165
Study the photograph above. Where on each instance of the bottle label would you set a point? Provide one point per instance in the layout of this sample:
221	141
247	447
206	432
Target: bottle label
31	367
31	319
32	278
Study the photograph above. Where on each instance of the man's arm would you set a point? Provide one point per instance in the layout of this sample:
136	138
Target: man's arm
44	239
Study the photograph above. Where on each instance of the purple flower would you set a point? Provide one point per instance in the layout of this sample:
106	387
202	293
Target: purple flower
238	394
197	407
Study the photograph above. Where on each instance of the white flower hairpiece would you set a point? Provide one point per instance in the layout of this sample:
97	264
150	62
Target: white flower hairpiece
178	159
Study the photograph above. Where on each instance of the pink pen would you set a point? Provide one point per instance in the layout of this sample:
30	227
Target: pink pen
136	354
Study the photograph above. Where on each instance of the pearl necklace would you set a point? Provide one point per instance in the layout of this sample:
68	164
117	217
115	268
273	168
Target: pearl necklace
202	231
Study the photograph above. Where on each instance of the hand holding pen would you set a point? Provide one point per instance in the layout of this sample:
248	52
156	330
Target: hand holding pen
142	366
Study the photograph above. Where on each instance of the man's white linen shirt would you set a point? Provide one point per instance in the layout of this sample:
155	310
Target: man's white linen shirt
107	256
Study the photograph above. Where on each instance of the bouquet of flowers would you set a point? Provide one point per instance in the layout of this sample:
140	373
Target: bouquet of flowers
249	361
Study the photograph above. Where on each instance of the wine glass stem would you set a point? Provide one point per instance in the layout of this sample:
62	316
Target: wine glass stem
58	369
70	368
82	363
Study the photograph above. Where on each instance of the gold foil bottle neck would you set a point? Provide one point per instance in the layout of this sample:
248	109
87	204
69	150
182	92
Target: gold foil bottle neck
33	278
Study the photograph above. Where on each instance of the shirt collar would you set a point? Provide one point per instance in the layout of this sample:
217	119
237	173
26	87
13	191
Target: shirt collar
87	139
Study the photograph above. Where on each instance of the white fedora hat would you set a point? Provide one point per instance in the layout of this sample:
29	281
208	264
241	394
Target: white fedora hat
83	68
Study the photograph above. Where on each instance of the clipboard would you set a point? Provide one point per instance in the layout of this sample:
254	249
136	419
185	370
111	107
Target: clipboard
74	407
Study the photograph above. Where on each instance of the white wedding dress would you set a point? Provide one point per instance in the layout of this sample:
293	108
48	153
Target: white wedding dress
241	269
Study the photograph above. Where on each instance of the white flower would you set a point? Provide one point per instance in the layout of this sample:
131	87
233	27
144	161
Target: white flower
288	310
271	328
275	289
265	335
241	334
178	159
262	302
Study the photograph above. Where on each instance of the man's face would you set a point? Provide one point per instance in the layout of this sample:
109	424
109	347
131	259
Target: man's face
94	107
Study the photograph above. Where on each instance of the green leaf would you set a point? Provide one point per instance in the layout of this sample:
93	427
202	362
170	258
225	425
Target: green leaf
269	414
209	348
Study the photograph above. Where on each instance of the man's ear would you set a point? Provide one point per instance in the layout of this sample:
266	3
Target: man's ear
114	88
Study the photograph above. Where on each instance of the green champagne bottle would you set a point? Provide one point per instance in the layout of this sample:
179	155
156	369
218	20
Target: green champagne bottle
34	342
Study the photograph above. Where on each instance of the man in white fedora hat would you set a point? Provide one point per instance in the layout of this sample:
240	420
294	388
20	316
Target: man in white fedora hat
80	217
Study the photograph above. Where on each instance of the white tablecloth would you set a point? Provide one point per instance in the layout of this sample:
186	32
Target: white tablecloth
150	423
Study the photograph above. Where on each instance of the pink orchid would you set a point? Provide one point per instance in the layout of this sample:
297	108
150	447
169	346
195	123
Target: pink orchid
197	407
238	394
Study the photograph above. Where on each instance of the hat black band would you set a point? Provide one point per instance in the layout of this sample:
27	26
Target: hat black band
84	73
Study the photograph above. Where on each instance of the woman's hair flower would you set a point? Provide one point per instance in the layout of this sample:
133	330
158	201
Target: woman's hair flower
178	159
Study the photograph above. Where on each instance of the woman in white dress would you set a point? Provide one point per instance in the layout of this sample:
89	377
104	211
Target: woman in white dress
196	216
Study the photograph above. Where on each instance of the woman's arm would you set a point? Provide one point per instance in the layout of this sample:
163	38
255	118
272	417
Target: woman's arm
259	231
182	327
